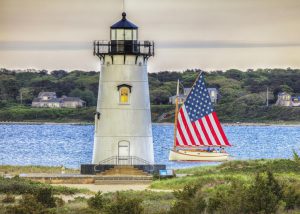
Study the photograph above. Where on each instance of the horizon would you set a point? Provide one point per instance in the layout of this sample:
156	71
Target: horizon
206	35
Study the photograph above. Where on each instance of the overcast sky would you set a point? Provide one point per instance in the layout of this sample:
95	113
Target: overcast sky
205	34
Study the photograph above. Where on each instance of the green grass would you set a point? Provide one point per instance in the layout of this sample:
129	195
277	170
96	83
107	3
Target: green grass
17	185
284	169
16	170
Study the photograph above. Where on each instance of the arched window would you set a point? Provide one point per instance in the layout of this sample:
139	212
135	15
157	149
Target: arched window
124	93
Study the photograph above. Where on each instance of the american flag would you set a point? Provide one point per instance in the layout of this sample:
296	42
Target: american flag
197	122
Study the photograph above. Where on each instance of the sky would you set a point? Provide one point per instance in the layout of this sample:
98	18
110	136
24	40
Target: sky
203	34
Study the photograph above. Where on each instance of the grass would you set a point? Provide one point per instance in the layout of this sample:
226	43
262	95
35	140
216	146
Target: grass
17	185
284	169
16	170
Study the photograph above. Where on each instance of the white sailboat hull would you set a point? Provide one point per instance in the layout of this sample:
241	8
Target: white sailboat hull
183	155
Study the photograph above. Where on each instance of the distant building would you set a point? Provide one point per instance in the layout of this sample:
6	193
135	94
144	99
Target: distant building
285	99
213	93
50	100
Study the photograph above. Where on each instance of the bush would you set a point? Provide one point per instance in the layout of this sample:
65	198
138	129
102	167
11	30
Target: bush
45	197
97	202
264	194
28	205
291	198
123	205
190	200
9	199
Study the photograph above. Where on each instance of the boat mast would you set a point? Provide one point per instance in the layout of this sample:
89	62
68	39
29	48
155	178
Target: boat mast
176	114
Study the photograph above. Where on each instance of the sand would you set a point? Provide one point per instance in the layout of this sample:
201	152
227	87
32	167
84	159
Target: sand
106	188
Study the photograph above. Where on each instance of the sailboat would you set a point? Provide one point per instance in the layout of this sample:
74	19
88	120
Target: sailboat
198	134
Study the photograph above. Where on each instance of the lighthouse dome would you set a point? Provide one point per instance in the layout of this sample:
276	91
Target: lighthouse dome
124	24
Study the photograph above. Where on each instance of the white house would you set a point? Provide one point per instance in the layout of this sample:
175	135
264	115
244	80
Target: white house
285	99
50	100
213	93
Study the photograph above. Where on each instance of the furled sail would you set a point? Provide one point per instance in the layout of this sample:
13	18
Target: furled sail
197	122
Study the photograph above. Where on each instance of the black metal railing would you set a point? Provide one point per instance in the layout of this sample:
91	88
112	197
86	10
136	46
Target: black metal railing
132	47
124	160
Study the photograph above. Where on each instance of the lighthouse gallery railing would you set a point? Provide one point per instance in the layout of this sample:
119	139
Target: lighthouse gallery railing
132	47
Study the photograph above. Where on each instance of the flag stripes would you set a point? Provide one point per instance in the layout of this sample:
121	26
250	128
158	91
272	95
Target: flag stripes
207	131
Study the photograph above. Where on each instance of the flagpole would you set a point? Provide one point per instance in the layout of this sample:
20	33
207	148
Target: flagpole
176	114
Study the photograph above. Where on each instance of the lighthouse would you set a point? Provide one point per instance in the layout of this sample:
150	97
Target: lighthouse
123	130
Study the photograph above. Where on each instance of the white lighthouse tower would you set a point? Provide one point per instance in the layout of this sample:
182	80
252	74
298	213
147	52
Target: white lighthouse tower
123	130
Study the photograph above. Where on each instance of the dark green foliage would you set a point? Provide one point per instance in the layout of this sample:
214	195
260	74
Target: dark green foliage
264	194
291	197
190	200
116	204
228	198
45	197
18	185
27	205
121	204
97	202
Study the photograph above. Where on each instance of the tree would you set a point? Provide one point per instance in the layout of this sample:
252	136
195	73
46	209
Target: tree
59	73
86	95
190	200
264	194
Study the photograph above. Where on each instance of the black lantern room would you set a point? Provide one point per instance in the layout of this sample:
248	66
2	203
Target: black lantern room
124	41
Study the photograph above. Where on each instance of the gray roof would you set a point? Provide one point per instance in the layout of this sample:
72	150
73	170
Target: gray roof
36	100
283	93
48	94
72	99
53	100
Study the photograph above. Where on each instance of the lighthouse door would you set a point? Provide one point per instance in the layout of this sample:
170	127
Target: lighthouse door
124	153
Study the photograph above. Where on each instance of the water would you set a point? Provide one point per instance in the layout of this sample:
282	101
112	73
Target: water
71	145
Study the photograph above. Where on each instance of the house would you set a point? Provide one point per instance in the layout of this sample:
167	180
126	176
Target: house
213	93
50	100
296	101
285	99
72	102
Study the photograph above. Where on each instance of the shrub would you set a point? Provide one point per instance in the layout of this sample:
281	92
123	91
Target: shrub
124	205
227	198
59	202
264	194
291	198
28	205
190	200
9	199
97	202
45	197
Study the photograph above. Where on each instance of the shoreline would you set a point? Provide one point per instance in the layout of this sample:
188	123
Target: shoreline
281	123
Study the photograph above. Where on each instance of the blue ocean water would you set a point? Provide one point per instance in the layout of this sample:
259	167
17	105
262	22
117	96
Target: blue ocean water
72	145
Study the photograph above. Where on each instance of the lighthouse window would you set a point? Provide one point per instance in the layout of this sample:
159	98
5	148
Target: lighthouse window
134	35
120	34
113	34
128	34
124	95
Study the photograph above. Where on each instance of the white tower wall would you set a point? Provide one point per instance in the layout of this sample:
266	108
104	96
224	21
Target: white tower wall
123	129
